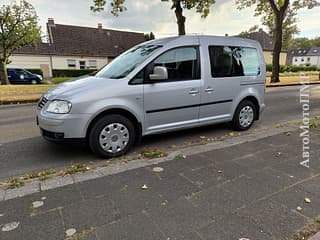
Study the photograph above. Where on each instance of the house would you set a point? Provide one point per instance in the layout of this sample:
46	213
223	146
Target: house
75	47
267	45
305	57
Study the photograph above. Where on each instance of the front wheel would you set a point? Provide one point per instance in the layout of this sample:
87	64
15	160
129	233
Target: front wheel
244	116
34	82
111	136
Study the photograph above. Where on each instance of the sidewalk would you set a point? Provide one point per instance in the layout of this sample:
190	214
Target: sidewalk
249	191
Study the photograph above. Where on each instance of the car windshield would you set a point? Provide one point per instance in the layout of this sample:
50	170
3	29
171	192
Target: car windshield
127	62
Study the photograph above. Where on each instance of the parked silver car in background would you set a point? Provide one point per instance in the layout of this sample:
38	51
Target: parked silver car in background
158	86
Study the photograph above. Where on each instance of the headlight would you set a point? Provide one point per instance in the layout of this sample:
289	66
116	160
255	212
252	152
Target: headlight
59	107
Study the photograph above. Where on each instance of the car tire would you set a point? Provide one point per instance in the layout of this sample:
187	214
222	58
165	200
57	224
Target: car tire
111	136
244	116
33	82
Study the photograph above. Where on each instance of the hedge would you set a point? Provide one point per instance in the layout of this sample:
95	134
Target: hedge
71	72
35	71
284	68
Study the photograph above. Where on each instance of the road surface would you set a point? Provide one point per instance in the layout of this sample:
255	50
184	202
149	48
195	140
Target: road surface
22	149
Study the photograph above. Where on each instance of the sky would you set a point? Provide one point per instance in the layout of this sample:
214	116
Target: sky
156	16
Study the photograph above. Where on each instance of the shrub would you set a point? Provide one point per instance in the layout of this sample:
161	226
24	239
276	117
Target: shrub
71	72
285	68
35	71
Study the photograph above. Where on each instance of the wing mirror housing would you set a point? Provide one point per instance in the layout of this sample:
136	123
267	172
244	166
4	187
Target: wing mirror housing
159	73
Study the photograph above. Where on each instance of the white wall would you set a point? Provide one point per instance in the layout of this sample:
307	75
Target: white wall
306	60
60	62
28	61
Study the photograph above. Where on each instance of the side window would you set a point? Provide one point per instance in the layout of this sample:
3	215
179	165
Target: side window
181	63
138	79
250	61
233	61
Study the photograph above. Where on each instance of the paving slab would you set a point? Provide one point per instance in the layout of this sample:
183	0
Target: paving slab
242	191
47	226
134	227
179	218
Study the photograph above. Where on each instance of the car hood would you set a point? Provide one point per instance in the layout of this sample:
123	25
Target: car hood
74	87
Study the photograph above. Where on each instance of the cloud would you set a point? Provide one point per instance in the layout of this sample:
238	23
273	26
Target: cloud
157	16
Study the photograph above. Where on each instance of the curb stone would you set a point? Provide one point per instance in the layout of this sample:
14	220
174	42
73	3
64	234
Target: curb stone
315	237
34	186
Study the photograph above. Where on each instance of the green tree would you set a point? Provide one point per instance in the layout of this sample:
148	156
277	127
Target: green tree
18	28
254	28
149	36
280	17
301	42
316	42
201	6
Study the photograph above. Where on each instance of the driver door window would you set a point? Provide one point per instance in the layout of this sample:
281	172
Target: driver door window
181	63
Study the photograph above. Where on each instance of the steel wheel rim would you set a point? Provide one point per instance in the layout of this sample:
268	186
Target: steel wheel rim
114	137
246	116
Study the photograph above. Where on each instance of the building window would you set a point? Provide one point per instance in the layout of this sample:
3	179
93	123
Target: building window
71	63
93	64
296	60
308	59
302	59
82	64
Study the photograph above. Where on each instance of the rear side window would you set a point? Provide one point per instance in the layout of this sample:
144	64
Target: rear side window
228	61
181	63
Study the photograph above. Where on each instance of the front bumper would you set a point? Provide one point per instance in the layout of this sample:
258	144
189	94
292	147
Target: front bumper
62	126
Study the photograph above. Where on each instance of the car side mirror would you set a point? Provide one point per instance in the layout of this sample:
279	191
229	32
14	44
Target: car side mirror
159	73
21	76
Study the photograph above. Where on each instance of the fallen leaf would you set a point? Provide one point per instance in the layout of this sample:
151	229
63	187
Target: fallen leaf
231	134
219	171
203	137
144	187
307	200
70	232
157	169
37	204
279	154
299	209
10	226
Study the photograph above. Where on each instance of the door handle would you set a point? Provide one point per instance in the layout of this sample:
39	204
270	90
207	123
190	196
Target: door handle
193	91
209	90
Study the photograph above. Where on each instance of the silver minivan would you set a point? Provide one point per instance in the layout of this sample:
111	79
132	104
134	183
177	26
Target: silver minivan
158	86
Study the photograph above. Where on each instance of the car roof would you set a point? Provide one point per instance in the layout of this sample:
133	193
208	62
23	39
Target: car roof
216	40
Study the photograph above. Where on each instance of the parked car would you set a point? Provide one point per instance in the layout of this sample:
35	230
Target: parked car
158	86
22	76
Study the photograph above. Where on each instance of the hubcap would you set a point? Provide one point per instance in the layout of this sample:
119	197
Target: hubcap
246	116
114	137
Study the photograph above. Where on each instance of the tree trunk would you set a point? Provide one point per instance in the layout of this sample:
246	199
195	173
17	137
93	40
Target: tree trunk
3	74
180	18
277	49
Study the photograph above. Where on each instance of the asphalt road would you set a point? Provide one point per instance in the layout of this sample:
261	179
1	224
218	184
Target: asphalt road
22	149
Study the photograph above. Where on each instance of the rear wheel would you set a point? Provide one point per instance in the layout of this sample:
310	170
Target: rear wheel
111	136
34	81
244	116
